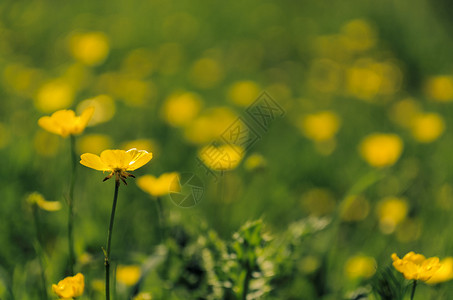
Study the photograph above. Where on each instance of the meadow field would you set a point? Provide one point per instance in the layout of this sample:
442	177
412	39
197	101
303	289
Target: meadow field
284	149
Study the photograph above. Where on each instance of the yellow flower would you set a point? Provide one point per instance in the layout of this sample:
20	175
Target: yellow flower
65	122
38	199
416	266
440	88
221	158
381	150
445	272
128	275
70	287
391	212
160	186
426	128
180	109
89	48
243	93
53	95
118	162
360	266
321	126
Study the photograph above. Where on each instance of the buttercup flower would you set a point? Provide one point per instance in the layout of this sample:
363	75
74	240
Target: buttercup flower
159	186
65	122
416	266
381	150
118	162
445	272
70	287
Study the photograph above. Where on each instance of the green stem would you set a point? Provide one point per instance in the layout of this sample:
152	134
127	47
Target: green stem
413	289
109	240
71	207
40	252
245	287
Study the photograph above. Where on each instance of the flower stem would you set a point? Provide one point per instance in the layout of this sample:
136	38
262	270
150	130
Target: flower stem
162	219
71	207
246	283
109	240
40	252
414	285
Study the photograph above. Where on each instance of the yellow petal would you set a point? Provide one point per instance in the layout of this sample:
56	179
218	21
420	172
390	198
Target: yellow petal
138	159
48	124
146	183
93	161
83	120
114	159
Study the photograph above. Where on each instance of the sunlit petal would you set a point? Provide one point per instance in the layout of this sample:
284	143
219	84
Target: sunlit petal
93	161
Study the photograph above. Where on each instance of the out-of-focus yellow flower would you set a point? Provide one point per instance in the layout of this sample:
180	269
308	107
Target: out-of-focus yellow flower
128	275
381	150
362	81
404	111
65	122
159	186
354	208
416	266
225	157
181	108
254	161
89	48
70	287
440	88
210	125
321	126
391	212
318	202
360	266
38	199
427	128
104	108
118	162
206	73
54	95
445	272
46	144
359	35
243	93
143	296
94	143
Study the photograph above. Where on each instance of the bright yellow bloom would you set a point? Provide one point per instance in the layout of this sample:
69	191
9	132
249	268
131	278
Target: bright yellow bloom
128	275
416	266
381	150
118	162
70	287
445	273
160	186
360	266
38	199
426	128
65	122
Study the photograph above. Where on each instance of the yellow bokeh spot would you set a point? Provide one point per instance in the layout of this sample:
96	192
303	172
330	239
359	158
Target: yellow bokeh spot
225	157
143	296
38	199
159	186
427	128
128	275
359	35
360	266
404	111
104	108
445	272
209	125
254	161
21	79
94	143
46	144
180	109
354	208
440	88
318	202
362	81
243	93
89	48
391	211
206	73
381	150
54	95
321	126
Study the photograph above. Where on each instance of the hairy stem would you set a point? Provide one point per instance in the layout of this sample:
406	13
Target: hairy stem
71	208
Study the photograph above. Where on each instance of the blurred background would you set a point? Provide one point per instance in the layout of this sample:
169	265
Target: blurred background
362	139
